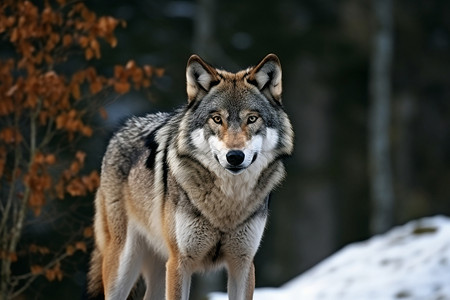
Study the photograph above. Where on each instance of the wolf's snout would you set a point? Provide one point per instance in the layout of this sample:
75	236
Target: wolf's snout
235	157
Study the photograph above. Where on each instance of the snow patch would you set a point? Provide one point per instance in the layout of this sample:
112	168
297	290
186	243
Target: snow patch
409	262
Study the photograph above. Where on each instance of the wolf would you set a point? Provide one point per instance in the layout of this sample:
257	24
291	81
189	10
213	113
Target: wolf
187	191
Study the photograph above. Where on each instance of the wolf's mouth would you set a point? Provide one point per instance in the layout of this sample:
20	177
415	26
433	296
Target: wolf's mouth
235	170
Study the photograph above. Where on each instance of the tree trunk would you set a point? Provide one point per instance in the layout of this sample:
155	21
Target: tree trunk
381	179
205	42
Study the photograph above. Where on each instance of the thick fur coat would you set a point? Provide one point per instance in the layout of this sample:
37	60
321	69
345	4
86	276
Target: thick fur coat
187	191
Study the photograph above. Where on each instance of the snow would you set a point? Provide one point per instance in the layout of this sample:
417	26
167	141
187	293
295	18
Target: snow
410	262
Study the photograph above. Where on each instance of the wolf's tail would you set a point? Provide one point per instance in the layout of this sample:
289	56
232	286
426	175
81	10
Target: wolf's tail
95	285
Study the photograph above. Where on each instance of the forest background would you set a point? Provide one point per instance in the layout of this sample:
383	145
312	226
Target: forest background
327	51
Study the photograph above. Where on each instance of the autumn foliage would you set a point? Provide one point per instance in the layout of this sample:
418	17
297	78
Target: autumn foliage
46	104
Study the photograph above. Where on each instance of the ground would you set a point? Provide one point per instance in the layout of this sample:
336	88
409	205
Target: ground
408	262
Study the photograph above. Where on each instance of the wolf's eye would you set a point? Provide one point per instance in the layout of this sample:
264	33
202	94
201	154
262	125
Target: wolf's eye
252	119
217	119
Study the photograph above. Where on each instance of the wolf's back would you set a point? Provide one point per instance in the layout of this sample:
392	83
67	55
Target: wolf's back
123	151
129	143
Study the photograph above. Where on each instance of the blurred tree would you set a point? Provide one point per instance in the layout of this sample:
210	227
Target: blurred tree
205	42
381	178
43	109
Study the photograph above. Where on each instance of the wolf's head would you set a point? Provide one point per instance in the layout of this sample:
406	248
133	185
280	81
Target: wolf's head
236	120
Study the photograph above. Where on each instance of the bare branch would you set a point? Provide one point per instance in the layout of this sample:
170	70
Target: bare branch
32	277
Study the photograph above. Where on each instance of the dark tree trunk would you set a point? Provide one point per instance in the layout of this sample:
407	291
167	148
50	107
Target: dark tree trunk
381	179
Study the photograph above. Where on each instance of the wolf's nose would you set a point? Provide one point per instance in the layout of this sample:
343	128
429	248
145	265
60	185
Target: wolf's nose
235	157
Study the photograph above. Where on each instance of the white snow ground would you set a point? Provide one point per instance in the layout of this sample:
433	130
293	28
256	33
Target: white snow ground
410	262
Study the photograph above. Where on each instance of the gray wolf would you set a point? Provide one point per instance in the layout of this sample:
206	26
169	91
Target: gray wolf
187	191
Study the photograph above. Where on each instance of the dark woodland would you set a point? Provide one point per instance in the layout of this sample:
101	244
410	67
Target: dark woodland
366	84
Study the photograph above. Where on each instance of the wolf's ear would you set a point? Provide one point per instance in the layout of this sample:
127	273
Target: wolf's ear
200	77
267	77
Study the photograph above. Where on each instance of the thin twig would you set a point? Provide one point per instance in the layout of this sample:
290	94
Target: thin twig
33	277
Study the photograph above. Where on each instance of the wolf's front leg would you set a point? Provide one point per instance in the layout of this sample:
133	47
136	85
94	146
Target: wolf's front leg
178	280
240	248
241	280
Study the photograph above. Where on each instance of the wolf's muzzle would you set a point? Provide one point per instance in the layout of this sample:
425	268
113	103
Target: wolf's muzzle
235	157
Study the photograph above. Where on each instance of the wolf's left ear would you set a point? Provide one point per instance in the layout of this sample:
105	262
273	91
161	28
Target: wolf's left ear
200	77
267	77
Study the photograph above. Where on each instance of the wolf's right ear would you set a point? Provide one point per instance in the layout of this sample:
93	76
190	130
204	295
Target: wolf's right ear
200	77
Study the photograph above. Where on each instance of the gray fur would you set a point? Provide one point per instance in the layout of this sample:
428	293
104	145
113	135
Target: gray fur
169	195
